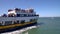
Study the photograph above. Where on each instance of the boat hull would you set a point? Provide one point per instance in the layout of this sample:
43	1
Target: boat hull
17	28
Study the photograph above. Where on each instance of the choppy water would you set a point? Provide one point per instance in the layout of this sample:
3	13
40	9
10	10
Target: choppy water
49	26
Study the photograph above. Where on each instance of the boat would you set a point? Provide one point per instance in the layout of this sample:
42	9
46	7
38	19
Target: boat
21	30
17	19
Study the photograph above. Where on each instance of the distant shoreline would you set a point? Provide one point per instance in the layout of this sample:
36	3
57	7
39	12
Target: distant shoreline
46	17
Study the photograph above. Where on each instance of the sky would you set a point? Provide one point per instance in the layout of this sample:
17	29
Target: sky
45	8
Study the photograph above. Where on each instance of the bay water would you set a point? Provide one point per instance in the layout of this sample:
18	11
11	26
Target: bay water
51	25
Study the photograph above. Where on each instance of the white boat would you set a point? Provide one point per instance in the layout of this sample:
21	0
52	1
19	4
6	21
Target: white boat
17	19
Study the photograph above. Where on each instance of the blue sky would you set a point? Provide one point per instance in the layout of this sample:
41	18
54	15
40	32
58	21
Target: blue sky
45	8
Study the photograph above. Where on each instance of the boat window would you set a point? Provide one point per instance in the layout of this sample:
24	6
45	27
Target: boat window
29	15
25	14
17	21
21	15
8	22
18	15
22	21
0	24
31	20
